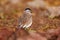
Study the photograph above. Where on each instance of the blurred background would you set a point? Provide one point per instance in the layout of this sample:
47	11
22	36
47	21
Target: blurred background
45	14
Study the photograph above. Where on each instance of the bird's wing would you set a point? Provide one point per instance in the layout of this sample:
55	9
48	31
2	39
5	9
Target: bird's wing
25	20
28	23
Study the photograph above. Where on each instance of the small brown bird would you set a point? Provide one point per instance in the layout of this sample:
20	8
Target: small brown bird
25	20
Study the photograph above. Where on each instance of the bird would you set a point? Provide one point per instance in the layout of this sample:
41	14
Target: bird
25	21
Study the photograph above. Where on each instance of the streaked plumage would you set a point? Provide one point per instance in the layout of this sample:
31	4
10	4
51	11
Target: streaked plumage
25	20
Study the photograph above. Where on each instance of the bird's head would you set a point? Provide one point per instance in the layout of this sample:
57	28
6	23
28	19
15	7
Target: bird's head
28	10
